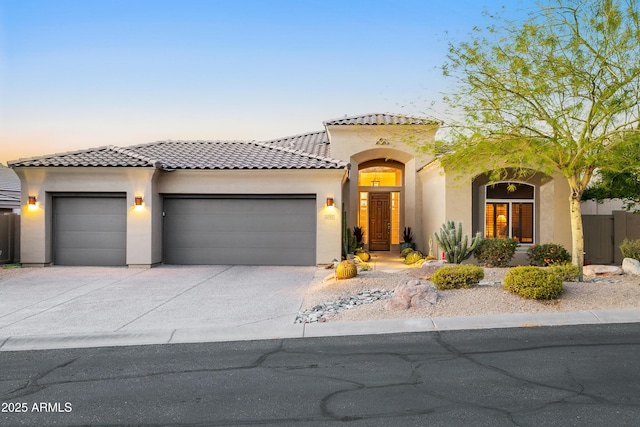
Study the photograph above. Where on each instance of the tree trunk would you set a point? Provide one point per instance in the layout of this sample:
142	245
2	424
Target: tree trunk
577	234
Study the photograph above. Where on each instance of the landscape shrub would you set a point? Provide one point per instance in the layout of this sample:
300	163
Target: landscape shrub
566	272
533	282
496	252
457	276
548	254
630	248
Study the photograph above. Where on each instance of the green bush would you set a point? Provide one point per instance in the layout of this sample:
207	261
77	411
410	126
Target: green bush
566	272
548	254
533	282
457	276
630	248
496	252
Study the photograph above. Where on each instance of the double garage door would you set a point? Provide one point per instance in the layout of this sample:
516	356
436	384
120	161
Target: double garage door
273	230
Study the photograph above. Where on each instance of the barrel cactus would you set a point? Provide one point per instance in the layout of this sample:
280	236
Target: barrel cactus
346	270
406	252
364	256
413	257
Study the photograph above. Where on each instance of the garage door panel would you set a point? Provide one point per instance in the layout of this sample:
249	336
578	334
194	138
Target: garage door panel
240	231
89	230
241	256
87	240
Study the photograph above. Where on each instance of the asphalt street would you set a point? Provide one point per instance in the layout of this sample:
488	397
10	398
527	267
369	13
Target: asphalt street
541	376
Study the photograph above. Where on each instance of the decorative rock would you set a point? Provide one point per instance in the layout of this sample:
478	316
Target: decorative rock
427	269
631	266
324	311
412	294
601	270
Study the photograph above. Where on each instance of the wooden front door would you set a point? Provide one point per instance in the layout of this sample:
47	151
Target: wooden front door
379	221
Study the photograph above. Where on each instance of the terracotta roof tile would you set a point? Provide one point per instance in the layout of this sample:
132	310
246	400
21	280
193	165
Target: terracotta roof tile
316	143
382	119
190	155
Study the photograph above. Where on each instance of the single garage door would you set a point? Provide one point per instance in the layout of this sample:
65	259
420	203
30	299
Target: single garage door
275	230
89	230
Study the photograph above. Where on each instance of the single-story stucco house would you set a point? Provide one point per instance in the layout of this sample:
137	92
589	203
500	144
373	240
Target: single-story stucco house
276	202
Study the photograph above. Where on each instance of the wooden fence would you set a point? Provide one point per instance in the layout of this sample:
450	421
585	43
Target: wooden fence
9	238
604	233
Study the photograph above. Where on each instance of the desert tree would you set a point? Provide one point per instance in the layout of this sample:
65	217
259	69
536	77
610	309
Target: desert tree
556	91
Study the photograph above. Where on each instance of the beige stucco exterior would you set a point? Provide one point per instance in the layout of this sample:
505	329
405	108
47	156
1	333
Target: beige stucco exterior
144	225
358	144
429	196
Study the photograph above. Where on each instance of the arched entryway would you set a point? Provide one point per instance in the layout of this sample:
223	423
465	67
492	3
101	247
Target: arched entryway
380	198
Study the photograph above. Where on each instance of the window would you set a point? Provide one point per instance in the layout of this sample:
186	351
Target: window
379	176
509	212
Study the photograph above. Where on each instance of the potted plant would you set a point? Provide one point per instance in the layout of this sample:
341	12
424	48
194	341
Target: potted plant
407	236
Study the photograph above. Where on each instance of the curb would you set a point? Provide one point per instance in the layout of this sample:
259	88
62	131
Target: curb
315	330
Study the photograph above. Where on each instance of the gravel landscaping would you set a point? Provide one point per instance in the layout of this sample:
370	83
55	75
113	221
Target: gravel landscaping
607	292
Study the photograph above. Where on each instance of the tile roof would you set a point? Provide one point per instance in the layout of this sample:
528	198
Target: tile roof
190	155
9	180
382	119
234	155
9	189
100	156
316	143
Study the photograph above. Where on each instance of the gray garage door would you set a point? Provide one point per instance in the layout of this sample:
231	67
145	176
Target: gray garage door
249	231
89	230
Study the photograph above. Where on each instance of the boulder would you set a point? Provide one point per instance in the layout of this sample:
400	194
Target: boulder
601	270
427	269
631	266
412	293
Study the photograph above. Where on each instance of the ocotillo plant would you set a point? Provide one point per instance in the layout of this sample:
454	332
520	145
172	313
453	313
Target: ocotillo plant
456	249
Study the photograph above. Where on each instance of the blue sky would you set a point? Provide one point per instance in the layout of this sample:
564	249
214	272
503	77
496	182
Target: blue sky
76	74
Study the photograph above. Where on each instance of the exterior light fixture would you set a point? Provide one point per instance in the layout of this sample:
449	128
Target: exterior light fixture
375	182
32	201
138	201
329	202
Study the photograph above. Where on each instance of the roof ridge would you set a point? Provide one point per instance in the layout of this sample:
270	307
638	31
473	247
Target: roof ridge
427	120
63	153
299	152
130	153
296	135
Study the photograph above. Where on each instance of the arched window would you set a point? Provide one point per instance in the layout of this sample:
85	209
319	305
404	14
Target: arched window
380	176
509	211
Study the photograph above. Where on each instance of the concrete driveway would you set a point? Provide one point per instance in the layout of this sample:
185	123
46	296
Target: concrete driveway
81	300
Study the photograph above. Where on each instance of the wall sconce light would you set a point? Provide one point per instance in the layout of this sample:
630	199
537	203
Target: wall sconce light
329	202
138	205
32	204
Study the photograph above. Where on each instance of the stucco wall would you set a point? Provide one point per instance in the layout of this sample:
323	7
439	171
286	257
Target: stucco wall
43	182
357	144
144	226
321	182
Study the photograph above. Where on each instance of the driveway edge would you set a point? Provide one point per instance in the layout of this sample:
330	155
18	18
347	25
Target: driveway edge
329	329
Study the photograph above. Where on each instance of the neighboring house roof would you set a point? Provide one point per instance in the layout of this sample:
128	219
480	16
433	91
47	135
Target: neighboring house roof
190	155
316	143
382	119
9	189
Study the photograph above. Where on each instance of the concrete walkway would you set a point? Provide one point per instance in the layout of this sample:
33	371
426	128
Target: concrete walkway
73	307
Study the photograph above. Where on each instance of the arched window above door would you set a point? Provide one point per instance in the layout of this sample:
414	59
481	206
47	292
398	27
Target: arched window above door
380	176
